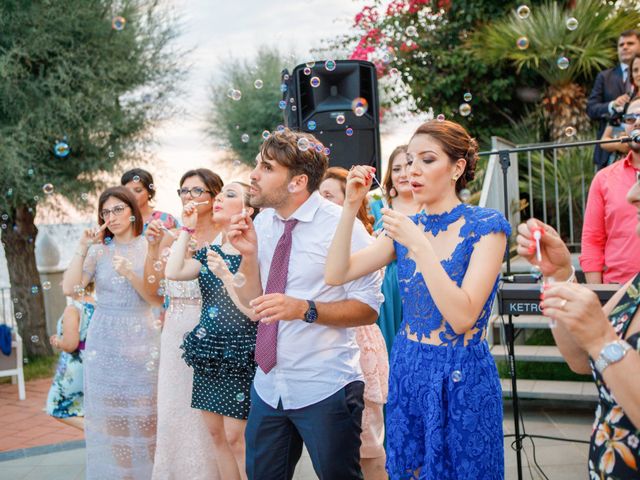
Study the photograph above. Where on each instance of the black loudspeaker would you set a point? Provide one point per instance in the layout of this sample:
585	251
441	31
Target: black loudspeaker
318	98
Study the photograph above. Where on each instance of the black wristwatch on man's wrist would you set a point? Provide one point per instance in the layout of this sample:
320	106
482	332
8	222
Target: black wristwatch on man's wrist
311	315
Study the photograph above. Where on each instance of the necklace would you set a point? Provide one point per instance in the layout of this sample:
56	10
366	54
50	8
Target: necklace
437	223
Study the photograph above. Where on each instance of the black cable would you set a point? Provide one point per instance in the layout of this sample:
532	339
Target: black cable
524	434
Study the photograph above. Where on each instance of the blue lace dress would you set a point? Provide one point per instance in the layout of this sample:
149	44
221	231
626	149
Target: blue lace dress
444	413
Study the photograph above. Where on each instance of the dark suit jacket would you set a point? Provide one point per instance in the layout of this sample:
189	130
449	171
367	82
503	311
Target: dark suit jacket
607	87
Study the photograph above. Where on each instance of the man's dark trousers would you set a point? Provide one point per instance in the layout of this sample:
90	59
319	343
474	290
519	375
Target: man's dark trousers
330	429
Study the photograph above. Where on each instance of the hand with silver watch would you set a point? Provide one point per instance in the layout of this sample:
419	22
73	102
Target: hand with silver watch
611	353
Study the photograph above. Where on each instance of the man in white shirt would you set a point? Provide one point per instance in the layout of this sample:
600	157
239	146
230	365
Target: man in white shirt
311	390
612	90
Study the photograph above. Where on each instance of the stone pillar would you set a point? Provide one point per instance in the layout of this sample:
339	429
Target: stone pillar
48	262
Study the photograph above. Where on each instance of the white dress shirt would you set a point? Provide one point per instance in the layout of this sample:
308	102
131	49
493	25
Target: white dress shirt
313	361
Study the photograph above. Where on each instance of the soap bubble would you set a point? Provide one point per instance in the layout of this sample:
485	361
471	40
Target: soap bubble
258	84
239	280
523	12
47	188
35	338
310	64
340	119
456	376
283	87
282	104
61	149
349	131
315	82
236	95
307	71
136	178
522	43
311	125
34	290
150	366
303	144
245	138
330	65
563	63
18	315
464	109
132	218
157	324
569	131
440	117
535	272
467	97
240	397
359	106
464	194
572	23
157	265
411	31
213	312
46	285
265	134
118	23
151	279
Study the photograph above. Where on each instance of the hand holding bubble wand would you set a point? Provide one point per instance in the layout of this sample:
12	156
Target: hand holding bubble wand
537	236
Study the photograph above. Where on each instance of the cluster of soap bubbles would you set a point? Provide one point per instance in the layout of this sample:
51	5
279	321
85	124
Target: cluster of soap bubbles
523	12
234	94
359	106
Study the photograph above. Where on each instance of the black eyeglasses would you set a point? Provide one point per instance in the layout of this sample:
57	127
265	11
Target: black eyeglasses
630	118
195	192
117	211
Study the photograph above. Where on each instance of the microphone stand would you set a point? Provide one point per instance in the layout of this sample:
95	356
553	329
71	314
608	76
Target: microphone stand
505	163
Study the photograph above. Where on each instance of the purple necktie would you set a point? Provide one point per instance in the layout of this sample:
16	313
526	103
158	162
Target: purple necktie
267	339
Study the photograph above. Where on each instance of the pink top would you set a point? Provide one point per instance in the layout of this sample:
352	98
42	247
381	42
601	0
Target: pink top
609	241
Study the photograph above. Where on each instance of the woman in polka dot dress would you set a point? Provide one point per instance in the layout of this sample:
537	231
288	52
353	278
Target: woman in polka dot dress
220	349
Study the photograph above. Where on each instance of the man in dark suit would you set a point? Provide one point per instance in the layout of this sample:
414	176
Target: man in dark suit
611	90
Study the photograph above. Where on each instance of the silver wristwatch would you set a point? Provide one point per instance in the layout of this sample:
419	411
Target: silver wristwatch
611	353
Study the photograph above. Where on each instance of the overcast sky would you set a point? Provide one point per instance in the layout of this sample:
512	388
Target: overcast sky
216	30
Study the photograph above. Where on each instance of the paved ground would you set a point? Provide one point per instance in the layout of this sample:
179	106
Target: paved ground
24	424
36	447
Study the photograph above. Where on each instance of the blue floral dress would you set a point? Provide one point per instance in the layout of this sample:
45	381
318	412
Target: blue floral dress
615	442
444	413
66	395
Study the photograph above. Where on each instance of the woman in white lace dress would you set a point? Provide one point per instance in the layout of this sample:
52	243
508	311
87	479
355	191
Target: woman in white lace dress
184	448
122	345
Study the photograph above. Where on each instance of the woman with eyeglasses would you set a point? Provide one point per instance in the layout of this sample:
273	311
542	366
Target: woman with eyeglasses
610	251
221	348
140	182
619	150
184	447
122	344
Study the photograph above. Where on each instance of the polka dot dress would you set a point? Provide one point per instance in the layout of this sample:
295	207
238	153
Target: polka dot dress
221	347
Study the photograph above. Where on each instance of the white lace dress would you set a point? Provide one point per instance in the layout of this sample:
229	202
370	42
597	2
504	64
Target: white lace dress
185	448
120	370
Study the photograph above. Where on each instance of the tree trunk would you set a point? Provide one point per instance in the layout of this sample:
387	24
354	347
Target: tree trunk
26	291
565	108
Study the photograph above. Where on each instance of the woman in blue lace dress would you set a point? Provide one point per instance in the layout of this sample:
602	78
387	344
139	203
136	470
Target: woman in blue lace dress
444	412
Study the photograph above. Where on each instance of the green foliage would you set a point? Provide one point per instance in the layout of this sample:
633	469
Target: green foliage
591	47
573	170
256	111
66	74
42	366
